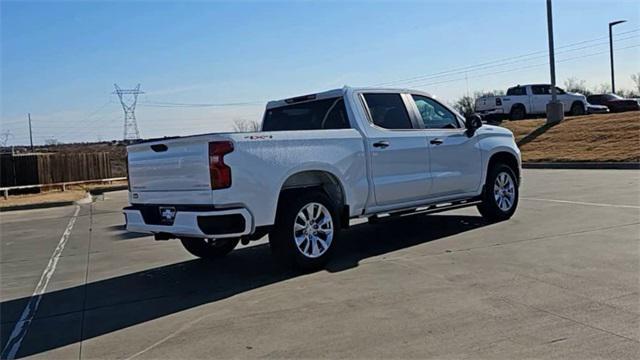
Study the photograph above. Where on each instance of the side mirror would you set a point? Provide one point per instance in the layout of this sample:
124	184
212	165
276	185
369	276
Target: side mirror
474	121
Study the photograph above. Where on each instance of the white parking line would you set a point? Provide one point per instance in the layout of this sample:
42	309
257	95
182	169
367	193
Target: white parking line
22	326
583	203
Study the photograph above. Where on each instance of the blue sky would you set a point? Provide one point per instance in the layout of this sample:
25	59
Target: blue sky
60	59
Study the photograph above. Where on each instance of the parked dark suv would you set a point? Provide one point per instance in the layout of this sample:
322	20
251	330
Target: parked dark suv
614	102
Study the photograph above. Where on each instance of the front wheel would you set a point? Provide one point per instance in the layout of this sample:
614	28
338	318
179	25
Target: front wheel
305	231
577	109
209	248
500	195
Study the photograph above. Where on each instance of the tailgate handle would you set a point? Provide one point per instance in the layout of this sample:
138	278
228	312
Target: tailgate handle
159	147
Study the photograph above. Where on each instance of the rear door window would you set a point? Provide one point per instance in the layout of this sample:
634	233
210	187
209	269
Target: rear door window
516	91
311	115
541	89
388	111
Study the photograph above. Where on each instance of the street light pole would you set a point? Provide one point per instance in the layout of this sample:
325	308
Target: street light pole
555	109
613	79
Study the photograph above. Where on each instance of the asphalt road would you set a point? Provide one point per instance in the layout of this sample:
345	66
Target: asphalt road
559	280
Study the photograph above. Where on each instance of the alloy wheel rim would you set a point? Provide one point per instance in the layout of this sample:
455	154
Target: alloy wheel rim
504	191
313	230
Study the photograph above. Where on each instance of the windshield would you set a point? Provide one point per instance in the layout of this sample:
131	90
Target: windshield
312	115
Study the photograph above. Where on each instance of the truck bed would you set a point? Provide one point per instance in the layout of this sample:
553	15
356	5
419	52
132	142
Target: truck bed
176	171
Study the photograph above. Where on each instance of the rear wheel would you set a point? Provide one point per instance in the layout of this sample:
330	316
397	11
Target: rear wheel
500	195
305	231
517	112
209	248
577	109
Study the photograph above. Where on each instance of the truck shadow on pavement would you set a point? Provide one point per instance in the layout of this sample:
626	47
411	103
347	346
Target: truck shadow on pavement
66	316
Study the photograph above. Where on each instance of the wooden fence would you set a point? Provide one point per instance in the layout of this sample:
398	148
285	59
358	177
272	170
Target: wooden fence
48	168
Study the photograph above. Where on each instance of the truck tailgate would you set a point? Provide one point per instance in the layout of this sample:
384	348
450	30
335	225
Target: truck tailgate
171	165
485	103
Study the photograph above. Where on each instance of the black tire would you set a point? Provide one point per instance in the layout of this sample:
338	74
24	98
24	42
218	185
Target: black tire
518	112
490	208
209	248
282	238
577	109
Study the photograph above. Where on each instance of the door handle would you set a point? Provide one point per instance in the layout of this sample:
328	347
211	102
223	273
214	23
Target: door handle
381	144
436	141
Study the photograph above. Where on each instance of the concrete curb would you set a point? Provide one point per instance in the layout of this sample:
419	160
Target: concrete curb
582	165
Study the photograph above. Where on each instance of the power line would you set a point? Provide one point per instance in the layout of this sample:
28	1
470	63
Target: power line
571	47
509	63
91	129
174	104
471	67
42	124
526	67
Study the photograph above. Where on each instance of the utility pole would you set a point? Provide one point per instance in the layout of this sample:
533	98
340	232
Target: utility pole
466	79
555	109
130	124
30	132
613	79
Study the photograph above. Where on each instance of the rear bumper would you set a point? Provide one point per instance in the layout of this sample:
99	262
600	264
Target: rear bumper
497	111
218	224
597	109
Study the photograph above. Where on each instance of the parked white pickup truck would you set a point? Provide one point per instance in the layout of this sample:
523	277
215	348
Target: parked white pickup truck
319	161
523	100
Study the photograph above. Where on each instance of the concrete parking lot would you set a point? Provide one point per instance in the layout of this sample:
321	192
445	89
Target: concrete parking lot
559	280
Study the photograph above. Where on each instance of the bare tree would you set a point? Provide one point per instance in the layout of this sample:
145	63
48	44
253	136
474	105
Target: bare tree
51	141
576	85
602	89
465	105
243	125
636	81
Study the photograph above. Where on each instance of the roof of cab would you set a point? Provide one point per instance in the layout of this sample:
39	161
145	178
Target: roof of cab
523	85
335	93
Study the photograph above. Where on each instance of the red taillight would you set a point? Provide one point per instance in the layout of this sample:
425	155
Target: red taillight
219	171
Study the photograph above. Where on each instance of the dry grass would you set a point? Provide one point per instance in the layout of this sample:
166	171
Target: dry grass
602	137
42	198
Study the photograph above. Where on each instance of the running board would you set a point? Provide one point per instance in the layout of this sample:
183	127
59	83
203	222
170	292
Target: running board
431	209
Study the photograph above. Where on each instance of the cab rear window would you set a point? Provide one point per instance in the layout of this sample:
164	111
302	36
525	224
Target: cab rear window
311	115
516	91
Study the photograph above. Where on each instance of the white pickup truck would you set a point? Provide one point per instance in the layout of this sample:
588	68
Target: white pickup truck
523	100
319	161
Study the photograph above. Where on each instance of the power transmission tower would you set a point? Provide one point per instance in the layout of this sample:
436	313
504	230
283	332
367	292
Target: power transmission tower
129	106
4	137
